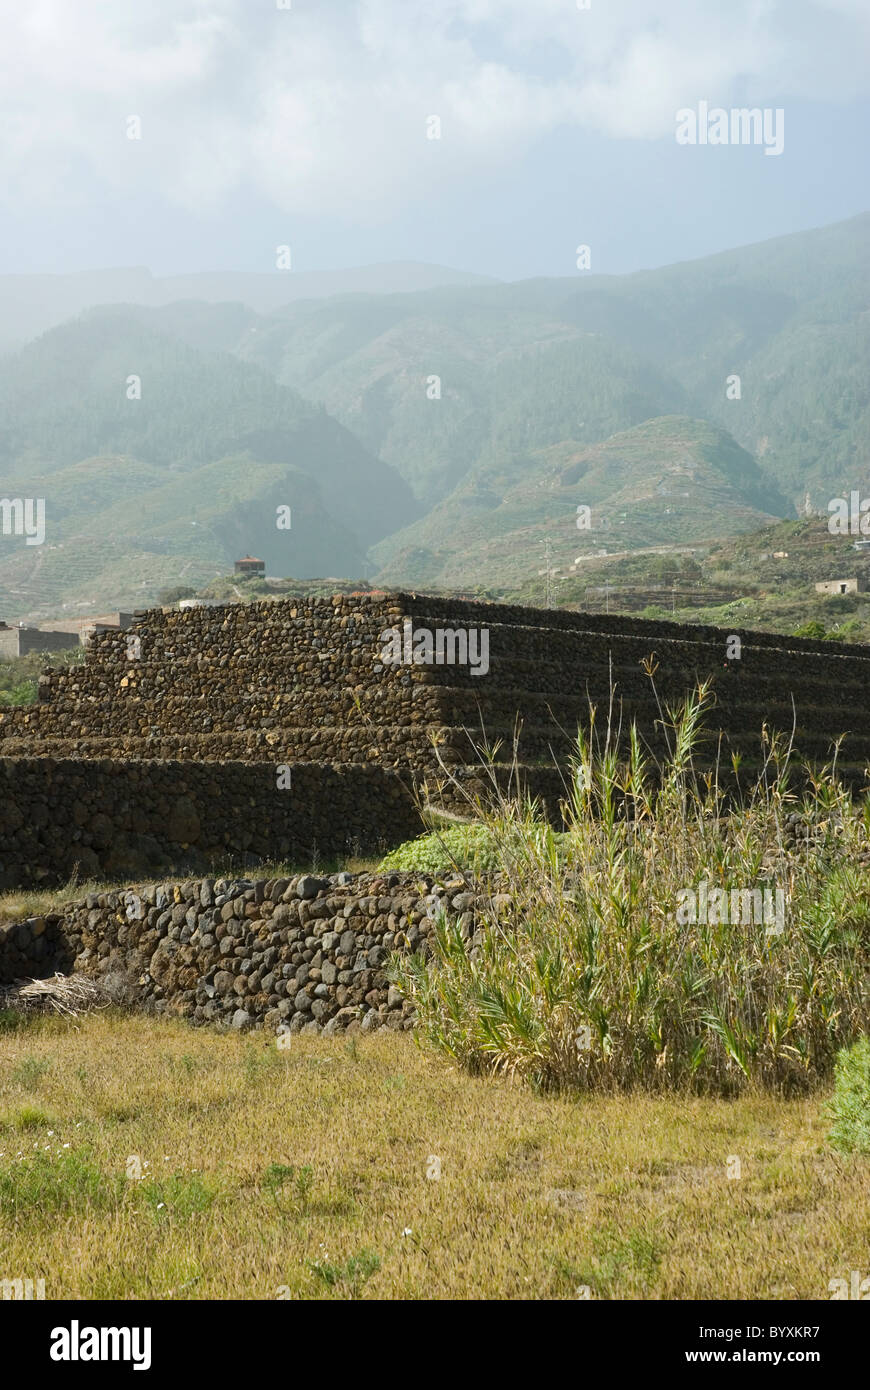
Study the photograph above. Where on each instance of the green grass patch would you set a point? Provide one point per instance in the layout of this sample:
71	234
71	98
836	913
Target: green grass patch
179	1197
23	1118
850	1106
30	1072
621	1192
348	1278
64	1183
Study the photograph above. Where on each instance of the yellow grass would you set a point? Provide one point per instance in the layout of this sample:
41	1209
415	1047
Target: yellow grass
17	903
538	1196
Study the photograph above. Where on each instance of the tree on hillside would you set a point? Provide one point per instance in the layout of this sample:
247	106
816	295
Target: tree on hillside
179	591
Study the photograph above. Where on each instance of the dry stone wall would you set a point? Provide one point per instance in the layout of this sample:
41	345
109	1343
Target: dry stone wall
296	954
121	819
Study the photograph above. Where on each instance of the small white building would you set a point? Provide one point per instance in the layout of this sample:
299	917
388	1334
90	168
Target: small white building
841	586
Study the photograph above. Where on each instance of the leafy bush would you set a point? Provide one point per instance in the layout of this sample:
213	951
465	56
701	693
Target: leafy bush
851	631
22	693
19	675
461	847
850	1107
590	979
813	629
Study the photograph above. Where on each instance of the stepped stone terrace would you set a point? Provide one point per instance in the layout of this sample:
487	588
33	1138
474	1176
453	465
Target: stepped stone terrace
208	700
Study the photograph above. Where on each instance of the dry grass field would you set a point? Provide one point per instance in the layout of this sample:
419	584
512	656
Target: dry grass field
314	1172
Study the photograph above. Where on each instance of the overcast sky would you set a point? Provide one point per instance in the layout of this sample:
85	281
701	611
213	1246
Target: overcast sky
307	126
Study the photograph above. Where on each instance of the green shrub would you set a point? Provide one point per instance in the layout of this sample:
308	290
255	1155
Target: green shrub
462	847
850	1107
22	693
279	1175
19	675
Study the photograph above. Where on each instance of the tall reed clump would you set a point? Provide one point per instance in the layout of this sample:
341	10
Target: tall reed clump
597	977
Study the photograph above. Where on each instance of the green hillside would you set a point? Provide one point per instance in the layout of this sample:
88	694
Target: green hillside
667	481
763	579
172	487
32	304
371	362
790	317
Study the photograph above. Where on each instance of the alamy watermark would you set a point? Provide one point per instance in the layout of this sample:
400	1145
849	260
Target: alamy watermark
22	1290
735	906
23	516
445	646
856	1287
77	1343
849	517
739	126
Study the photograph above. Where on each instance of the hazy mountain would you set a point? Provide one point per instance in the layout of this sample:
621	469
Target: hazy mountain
790	317
176	484
30	304
430	383
667	481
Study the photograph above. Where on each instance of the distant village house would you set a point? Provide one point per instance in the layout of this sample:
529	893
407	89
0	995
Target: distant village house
841	586
21	641
249	565
24	638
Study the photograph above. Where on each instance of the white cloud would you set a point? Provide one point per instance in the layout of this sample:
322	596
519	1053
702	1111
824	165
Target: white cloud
323	107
